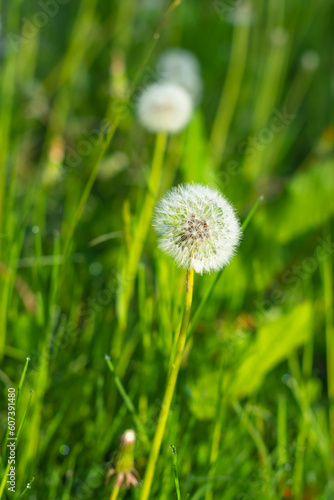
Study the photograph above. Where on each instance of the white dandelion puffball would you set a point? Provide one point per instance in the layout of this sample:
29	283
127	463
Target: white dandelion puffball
128	437
164	107
197	227
182	67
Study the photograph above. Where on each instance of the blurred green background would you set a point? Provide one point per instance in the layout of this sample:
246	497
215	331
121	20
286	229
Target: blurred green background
255	397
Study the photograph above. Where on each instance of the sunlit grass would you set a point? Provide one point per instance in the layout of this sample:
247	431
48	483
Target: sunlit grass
88	297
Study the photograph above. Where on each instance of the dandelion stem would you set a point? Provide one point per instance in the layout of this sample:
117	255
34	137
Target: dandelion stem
114	493
172	378
130	268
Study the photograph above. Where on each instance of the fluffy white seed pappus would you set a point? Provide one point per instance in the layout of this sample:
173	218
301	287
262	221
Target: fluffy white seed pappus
197	227
164	107
182	67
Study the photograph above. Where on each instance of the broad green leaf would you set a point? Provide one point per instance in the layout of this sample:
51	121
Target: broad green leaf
274	342
307	203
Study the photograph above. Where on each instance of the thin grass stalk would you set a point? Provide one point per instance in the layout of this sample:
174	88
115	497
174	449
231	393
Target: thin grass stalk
272	80
230	92
17	400
7	87
41	376
216	436
176	476
264	456
4	479
274	155
7	90
317	434
28	486
145	311
298	472
174	4
79	44
172	378
128	402
131	265
114	493
282	455
327	278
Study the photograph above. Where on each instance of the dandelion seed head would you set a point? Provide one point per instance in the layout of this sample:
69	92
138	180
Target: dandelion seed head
164	107
182	67
128	437
241	14
197	227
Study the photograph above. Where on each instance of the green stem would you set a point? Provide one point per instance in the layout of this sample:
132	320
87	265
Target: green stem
4	479
176	476
282	455
299	467
127	401
131	266
114	493
88	188
28	486
327	278
264	456
230	93
17	400
216	437
169	390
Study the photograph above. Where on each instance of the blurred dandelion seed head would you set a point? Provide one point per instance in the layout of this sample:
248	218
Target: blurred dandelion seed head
197	227
128	437
182	67
164	107
240	14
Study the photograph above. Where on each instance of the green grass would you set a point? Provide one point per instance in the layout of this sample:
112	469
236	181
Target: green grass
252	415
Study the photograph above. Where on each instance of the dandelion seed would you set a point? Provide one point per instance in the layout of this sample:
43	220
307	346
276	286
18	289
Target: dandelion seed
182	67
197	227
164	107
